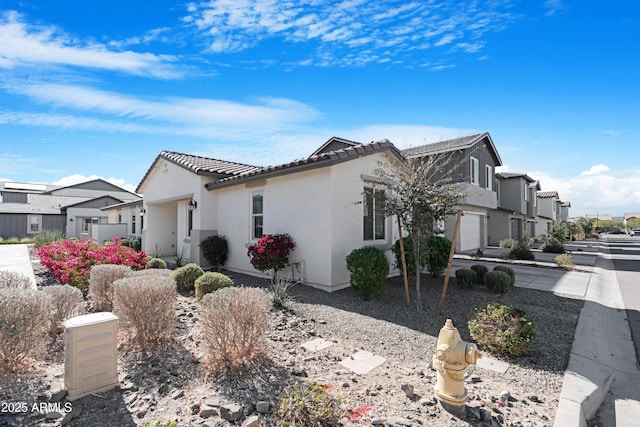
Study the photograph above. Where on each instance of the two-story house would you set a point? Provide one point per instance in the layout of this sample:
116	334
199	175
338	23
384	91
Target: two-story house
517	209
474	159
548	206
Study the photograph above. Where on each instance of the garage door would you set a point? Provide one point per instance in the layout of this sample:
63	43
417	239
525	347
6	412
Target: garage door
469	232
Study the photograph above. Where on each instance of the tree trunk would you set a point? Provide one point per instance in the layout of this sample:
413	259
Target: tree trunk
407	299
416	253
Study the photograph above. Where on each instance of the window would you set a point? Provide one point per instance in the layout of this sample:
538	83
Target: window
489	176
35	224
473	171
257	214
526	192
373	214
189	221
87	222
133	223
119	218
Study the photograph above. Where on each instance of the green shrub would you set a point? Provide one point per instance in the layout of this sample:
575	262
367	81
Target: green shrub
565	261
210	282
437	256
541	237
553	246
234	325
497	281
309	405
369	269
507	243
156	263
522	253
480	270
46	237
134	244
186	276
408	255
24	323
466	278
501	329
510	271
279	289
215	249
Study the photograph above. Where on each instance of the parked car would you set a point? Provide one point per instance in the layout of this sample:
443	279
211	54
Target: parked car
635	232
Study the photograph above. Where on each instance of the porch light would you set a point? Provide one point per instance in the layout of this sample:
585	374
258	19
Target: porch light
192	204
143	211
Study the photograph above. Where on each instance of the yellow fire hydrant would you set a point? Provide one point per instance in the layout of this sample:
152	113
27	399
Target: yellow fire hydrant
450	361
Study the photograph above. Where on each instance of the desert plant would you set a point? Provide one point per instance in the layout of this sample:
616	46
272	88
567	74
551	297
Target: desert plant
521	252
369	269
65	302
466	278
507	243
164	272
480	270
565	261
24	323
161	423
309	405
215	249
101	281
47	236
186	276
553	246
156	263
234	322
14	280
271	252
279	289
178	257
210	282
437	256
156	251
497	281
499	328
510	271
145	303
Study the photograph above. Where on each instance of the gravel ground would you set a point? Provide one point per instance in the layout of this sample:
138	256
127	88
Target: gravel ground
166	384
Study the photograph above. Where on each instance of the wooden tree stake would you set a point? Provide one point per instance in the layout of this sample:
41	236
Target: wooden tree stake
451	253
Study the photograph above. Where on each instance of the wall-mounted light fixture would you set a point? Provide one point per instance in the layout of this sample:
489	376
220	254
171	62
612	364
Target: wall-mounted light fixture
192	204
70	219
143	211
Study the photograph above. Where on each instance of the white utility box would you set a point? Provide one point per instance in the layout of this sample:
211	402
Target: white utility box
90	354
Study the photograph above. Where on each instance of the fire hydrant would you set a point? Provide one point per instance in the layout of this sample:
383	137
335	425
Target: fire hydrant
450	361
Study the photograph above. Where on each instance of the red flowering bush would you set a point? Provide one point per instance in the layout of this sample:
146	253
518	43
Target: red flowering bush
70	261
271	252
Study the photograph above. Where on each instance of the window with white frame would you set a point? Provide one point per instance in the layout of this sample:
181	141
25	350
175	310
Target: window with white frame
489	177
87	223
373	213
257	214
35	224
526	192
474	171
133	222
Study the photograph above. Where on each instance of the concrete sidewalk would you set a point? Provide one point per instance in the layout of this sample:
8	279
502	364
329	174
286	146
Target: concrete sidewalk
16	258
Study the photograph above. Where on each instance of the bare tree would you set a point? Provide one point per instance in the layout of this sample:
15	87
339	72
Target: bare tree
420	192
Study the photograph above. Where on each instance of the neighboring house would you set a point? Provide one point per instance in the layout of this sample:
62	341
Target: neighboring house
27	209
330	203
517	208
129	214
474	159
550	210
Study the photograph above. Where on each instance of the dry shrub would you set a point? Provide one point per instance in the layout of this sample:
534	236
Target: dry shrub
11	279
101	284
146	303
164	272
24	323
66	302
234	322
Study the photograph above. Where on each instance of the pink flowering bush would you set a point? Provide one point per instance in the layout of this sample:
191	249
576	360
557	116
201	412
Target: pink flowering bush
271	252
70	261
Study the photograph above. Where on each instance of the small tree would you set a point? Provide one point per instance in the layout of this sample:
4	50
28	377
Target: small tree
420	193
271	252
215	249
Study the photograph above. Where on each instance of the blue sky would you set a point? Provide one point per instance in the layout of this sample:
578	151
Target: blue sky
98	89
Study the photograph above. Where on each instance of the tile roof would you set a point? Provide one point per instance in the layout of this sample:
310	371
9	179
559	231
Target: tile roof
547	194
205	165
319	160
444	146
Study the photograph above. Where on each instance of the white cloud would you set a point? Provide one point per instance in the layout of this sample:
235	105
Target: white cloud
610	132
554	7
343	26
595	170
24	44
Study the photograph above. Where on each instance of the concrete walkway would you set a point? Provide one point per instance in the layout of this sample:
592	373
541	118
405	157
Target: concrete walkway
16	258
